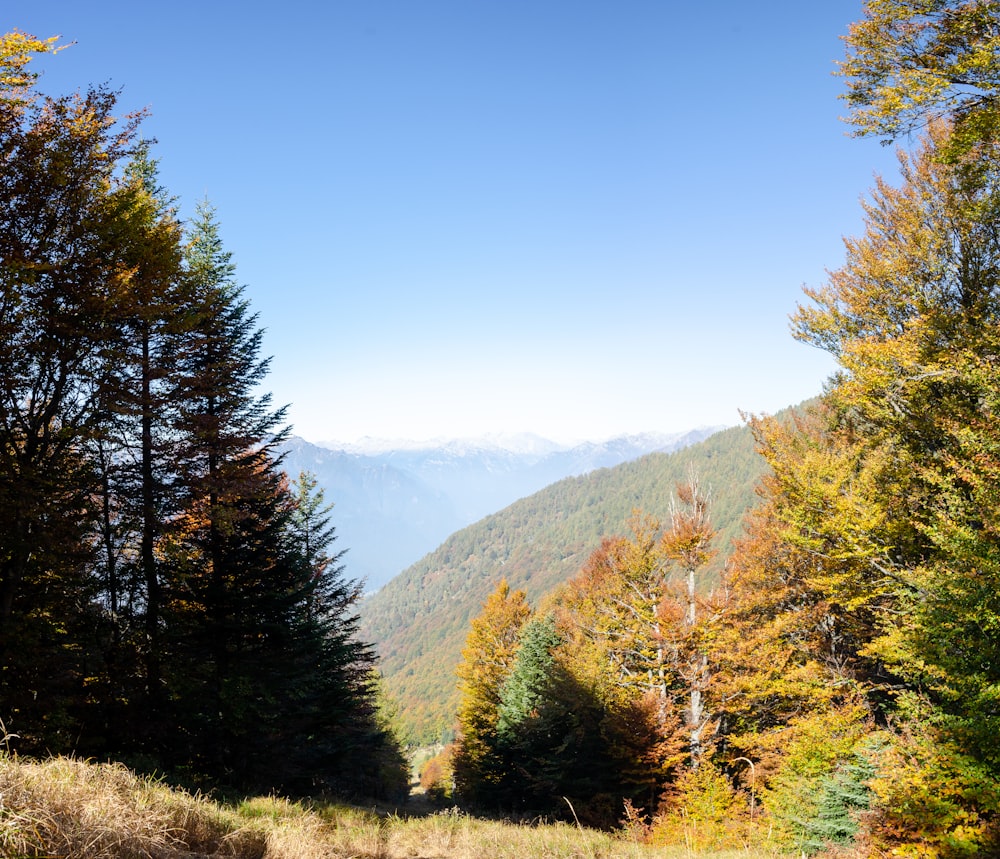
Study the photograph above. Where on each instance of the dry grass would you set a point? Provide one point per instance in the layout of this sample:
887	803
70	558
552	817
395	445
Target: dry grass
67	808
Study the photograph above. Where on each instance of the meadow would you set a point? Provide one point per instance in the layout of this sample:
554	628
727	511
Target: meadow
63	807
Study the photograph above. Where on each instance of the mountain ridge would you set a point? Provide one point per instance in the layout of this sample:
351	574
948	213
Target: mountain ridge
422	492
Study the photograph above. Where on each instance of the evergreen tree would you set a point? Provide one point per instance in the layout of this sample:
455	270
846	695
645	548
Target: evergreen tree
843	796
315	533
232	576
530	682
334	736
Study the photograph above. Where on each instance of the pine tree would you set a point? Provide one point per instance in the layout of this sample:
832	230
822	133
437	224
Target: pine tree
529	684
332	732
134	452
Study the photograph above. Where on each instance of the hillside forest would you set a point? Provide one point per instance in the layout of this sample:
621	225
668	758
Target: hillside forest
170	599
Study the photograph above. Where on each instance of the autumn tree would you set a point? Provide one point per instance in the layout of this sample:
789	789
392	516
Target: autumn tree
624	617
910	62
487	660
912	319
17	49
63	277
643	621
864	591
618	604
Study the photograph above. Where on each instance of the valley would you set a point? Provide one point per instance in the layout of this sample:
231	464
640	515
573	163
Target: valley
419	620
422	492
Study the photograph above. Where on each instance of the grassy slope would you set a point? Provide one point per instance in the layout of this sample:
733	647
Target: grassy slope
64	807
420	619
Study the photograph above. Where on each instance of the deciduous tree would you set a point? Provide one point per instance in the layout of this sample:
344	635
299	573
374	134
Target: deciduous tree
911	62
487	660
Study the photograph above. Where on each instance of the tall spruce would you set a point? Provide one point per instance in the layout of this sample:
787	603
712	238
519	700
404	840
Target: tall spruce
230	570
332	735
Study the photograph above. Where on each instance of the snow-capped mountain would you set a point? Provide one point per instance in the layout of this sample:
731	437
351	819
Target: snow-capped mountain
517	443
395	501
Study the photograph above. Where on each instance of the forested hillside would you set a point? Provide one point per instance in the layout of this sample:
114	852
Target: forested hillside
419	620
786	636
422	492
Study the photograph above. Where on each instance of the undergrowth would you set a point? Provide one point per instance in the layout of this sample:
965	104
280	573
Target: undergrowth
68	808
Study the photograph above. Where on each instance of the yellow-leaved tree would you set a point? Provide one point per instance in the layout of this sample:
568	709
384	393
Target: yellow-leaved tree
911	62
487	660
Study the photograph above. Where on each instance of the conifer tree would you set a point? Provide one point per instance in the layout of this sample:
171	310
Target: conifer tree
312	525
332	699
231	572
529	684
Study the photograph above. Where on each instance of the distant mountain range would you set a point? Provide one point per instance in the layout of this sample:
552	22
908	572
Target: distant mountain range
397	501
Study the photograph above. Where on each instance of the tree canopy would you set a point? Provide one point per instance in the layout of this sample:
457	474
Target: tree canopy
910	62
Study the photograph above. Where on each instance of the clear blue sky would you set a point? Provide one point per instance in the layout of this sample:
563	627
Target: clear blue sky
572	217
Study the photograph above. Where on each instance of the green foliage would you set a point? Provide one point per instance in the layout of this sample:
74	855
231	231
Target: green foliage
529	684
843	797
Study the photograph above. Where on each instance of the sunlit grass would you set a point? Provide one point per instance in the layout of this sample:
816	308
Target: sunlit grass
63	807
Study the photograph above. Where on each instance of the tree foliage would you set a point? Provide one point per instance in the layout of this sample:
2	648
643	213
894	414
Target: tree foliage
850	673
861	630
911	62
421	618
488	658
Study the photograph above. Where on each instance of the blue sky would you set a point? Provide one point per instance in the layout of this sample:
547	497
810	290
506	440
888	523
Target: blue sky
455	217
